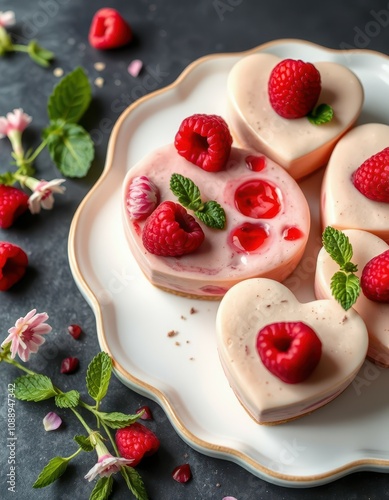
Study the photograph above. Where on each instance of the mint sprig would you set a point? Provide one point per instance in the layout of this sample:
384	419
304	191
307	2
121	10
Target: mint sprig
345	285
321	114
188	194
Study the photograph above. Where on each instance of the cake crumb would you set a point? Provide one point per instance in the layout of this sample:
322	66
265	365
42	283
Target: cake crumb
218	485
177	343
99	66
58	72
183	317
99	82
191	358
193	310
172	333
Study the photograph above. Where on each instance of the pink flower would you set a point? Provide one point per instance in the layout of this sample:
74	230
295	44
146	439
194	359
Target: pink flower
106	465
42	196
142	197
26	335
16	121
7	18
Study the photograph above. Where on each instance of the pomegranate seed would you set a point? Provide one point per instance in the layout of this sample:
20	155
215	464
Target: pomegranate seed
182	473
75	331
69	365
146	415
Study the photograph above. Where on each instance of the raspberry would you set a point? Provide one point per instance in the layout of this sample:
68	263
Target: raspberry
136	441
109	30
289	350
13	264
294	88
372	177
170	231
375	278
13	202
204	140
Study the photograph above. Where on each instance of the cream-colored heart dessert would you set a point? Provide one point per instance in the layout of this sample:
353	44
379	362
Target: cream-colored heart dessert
375	314
343	206
257	305
265	233
296	144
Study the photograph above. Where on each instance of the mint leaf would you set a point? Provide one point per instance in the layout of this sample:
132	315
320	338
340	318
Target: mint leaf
134	482
212	215
321	114
70	148
187	192
51	472
345	288
34	388
102	489
38	54
70	97
68	399
98	376
117	420
337	245
84	443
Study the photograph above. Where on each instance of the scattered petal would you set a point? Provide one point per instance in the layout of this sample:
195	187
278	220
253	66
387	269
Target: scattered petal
182	473
146	415
69	365
51	421
135	67
75	331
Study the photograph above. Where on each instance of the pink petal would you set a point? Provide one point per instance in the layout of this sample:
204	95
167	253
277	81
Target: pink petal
135	67
51	421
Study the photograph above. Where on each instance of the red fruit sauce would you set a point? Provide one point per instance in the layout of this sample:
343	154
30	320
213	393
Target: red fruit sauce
292	233
258	199
255	163
249	237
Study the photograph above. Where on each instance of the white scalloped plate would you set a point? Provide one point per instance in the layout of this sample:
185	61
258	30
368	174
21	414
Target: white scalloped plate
183	373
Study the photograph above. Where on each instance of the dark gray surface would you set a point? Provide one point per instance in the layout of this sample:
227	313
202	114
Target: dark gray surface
169	35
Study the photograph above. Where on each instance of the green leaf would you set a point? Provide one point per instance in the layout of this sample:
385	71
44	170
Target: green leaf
40	55
102	489
320	115
51	472
117	420
345	288
70	148
70	98
34	388
337	245
84	443
187	192
212	215
134	482
98	376
68	399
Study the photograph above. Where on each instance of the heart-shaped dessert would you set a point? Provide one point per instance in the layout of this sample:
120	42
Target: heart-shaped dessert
365	246
265	233
343	206
296	144
252	305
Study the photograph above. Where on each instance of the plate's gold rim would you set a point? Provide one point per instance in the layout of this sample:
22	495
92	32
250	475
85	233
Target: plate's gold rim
216	450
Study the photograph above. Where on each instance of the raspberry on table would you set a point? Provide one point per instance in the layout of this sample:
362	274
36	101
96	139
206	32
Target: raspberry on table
13	264
372	177
136	441
294	88
13	202
170	231
204	140
375	278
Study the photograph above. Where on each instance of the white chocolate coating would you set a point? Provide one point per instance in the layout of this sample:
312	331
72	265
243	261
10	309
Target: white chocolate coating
297	145
375	314
342	205
254	303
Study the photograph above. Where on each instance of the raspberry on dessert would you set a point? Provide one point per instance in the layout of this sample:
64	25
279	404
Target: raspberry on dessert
375	278
13	265
204	140
170	231
289	350
372	177
141	198
294	87
136	441
13	202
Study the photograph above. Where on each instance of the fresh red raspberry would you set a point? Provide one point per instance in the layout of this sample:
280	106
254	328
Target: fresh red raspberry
109	30
13	202
170	231
372	177
289	350
13	264
294	87
375	278
136	441
204	140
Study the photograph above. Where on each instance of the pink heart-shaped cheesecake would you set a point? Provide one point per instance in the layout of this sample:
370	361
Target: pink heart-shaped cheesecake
296	144
375	314
343	206
251	305
266	231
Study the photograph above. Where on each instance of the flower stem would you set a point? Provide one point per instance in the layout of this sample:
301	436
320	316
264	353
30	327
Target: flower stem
20	48
18	365
38	150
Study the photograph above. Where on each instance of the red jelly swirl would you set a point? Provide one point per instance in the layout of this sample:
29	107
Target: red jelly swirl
249	237
258	199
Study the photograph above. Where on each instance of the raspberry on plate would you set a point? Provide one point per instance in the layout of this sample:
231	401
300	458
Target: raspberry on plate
13	265
170	231
136	441
13	202
372	177
294	88
204	140
375	278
